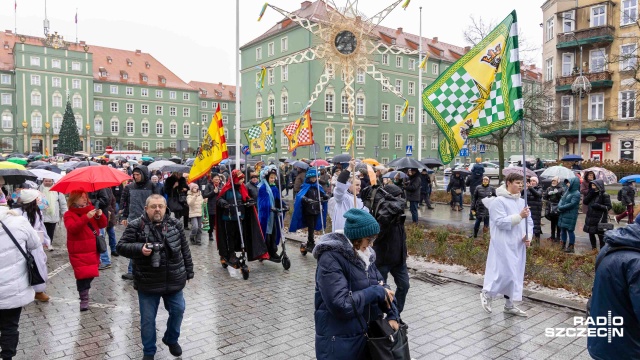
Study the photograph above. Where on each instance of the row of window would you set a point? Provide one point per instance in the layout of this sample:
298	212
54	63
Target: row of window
56	82
626	106
214	105
597	17
271	47
55	63
36	99
144	108
130	145
597	61
145	127
113	89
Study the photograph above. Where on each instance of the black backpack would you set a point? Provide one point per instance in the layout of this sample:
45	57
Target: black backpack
384	203
620	195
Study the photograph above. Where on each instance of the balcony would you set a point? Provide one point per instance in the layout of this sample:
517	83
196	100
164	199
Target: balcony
597	80
594	35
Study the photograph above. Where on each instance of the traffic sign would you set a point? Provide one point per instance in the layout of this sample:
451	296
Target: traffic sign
327	149
473	148
464	152
483	148
245	150
409	150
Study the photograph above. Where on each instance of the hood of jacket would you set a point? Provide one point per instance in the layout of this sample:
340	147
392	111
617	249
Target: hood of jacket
502	191
599	184
574	184
145	174
477	169
338	242
624	236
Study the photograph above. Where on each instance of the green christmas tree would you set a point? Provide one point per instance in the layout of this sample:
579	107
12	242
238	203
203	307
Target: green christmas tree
69	139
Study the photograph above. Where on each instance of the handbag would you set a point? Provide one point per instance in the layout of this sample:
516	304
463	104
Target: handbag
552	211
32	267
101	243
205	217
457	191
604	226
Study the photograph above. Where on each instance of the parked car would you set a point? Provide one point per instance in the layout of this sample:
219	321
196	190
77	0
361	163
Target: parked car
491	170
447	171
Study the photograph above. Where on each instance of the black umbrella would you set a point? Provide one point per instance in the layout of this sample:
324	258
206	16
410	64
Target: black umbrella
405	163
189	162
37	163
176	168
15	176
82	164
461	171
431	162
341	158
53	168
158	158
176	160
17	155
572	157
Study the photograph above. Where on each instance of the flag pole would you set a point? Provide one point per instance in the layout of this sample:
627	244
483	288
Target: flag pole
418	113
237	50
15	17
315	158
524	173
76	26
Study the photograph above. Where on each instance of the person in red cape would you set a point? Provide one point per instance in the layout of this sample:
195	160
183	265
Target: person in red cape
227	227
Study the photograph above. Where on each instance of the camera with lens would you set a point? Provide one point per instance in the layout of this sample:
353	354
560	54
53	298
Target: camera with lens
155	248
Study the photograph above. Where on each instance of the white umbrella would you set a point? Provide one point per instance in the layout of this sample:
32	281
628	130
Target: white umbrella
559	171
157	165
46	174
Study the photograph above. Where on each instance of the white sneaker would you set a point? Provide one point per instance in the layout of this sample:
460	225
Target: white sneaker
485	302
514	311
51	248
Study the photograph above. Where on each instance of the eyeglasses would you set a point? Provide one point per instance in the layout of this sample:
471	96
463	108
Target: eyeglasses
254	177
157	206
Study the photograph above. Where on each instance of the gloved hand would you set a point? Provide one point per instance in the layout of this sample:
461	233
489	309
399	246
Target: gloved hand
249	203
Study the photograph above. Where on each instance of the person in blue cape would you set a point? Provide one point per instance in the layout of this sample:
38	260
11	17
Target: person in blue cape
310	203
269	207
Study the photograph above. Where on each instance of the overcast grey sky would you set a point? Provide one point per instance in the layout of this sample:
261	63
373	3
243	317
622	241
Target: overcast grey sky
196	38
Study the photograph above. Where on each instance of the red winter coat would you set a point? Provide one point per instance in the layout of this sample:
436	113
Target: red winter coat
81	243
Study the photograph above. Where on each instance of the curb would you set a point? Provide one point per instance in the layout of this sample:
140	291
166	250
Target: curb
531	295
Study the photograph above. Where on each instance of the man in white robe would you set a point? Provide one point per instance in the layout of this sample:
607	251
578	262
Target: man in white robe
504	273
343	195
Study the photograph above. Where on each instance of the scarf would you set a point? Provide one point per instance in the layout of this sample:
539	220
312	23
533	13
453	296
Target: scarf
52	199
365	256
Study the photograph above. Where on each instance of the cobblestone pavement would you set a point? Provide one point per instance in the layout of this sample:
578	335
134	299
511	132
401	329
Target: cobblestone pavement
270	316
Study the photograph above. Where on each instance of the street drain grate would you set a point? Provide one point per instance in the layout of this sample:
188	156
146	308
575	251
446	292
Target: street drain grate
426	277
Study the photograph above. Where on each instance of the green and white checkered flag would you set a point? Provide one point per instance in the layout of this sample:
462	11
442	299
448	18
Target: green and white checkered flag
261	138
480	93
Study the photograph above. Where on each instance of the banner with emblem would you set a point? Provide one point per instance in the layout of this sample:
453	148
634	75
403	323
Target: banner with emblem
261	138
300	132
480	93
212	150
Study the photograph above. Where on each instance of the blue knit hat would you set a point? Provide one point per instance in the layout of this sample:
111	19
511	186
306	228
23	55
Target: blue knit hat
360	224
312	172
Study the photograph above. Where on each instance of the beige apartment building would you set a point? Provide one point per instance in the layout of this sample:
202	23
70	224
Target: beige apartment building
600	40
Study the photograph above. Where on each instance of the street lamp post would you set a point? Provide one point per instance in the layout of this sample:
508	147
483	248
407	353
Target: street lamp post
580	85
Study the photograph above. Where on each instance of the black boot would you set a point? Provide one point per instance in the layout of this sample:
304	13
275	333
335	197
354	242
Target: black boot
570	249
210	237
310	245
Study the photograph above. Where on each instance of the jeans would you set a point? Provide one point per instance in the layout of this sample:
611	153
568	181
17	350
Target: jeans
401	278
9	334
413	206
104	257
476	226
175	305
572	236
196	226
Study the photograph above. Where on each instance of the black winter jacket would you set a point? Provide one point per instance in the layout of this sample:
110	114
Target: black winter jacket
211	194
534	201
553	195
176	266
477	205
599	204
412	187
425	182
456	183
253	190
628	195
475	179
134	195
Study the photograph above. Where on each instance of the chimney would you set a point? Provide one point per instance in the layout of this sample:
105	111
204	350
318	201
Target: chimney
219	84
305	4
399	31
435	39
467	49
8	32
82	42
138	52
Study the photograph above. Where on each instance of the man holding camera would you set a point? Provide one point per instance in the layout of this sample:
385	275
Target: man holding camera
162	266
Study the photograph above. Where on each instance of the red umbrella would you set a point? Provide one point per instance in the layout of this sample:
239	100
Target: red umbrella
90	179
320	162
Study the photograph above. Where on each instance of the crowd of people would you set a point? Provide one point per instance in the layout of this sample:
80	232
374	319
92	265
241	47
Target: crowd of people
246	218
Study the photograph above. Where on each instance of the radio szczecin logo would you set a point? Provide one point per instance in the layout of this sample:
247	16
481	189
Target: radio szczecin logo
607	327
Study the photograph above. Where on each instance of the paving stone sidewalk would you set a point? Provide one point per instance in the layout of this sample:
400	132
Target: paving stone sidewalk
270	316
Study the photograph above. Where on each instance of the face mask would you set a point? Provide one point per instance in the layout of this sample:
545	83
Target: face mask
41	206
14	196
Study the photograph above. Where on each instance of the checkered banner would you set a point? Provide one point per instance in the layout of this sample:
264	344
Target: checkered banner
299	132
480	93
261	138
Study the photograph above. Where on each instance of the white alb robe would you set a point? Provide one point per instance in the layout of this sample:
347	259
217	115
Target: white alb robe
504	272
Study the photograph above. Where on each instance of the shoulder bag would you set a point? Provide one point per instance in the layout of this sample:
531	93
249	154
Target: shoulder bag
101	243
32	267
604	226
383	343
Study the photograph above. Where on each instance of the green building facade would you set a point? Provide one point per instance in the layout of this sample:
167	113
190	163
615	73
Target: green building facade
380	131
